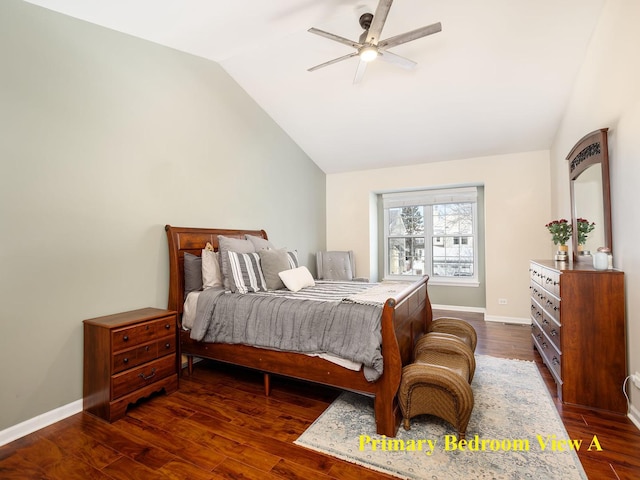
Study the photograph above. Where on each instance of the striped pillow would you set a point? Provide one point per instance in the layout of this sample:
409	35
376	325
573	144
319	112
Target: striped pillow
293	259
246	274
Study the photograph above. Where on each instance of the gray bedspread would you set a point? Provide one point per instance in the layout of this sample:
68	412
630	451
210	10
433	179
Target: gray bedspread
342	328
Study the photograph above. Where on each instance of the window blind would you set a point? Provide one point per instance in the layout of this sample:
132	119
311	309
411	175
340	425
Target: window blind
430	197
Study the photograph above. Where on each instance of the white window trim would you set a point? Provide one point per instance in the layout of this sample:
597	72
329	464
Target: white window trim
427	198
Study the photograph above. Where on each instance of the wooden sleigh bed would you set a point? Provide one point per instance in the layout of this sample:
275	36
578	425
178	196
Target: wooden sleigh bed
405	318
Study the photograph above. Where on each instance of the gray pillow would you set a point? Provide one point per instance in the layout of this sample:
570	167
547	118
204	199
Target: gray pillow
273	262
259	243
192	273
229	244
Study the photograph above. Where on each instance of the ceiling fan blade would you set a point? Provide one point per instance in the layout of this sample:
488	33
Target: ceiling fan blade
397	60
335	38
375	30
331	62
409	36
362	66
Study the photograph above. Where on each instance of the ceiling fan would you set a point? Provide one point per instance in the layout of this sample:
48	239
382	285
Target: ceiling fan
369	46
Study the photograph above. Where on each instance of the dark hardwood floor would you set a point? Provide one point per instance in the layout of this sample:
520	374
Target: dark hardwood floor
219	425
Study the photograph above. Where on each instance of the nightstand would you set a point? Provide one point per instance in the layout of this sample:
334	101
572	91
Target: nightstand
128	356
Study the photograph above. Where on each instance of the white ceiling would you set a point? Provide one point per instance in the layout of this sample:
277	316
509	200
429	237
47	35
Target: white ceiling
494	81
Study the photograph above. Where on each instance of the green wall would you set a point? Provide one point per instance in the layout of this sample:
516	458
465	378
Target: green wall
105	139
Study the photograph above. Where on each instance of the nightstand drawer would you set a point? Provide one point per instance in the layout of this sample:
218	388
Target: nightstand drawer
144	353
131	336
141	376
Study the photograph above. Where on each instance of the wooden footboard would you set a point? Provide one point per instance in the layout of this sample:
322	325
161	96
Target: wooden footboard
405	318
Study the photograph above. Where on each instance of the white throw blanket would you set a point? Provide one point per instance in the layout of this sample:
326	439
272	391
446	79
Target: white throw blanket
379	293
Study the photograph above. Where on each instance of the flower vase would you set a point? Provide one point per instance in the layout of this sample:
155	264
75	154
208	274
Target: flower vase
562	254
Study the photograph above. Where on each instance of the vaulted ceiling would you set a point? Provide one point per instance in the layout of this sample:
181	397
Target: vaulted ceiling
494	81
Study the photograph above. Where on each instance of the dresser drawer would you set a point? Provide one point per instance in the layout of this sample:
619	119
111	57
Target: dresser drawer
136	378
538	293
143	353
551	356
124	338
551	305
536	312
552	329
535	272
551	281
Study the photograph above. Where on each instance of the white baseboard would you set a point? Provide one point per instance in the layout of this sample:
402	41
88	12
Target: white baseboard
36	423
20	430
456	308
515	320
487	318
634	416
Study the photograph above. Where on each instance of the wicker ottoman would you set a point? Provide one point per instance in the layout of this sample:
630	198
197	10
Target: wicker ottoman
438	382
456	327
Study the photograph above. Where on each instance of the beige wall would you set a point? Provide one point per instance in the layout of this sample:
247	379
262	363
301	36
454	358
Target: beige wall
517	205
607	94
105	138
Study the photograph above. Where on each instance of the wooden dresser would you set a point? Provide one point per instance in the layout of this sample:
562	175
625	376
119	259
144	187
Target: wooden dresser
578	326
128	356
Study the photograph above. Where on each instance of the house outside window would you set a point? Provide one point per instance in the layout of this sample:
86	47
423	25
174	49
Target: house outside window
432	232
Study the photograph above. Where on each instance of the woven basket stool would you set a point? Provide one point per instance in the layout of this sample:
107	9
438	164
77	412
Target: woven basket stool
438	382
456	327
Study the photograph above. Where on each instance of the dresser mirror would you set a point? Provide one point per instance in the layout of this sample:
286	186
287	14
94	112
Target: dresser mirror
590	193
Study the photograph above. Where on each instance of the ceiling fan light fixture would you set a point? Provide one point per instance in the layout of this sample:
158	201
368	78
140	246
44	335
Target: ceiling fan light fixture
368	53
370	45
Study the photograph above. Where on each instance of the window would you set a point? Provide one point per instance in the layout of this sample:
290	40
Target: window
431	232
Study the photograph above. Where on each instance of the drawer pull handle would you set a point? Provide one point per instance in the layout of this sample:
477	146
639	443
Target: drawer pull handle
167	326
146	349
147	377
125	361
125	338
167	345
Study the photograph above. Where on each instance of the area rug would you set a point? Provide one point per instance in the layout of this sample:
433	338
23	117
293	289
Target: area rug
515	432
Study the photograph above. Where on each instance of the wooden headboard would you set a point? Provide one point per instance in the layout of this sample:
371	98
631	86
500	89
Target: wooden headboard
192	240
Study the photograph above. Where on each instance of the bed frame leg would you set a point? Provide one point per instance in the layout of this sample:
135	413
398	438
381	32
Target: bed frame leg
267	384
190	364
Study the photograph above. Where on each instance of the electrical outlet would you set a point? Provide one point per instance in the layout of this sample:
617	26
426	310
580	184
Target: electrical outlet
502	301
635	378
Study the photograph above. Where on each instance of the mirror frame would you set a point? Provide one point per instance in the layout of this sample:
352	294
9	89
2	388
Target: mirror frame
592	149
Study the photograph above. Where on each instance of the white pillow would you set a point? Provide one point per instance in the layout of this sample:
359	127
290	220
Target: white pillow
211	276
297	278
